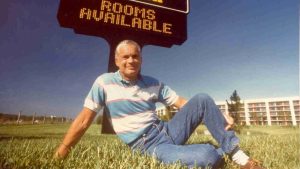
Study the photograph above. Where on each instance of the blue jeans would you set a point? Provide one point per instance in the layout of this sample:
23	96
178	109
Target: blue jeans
165	140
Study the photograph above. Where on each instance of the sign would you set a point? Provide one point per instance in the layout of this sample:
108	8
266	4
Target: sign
148	22
155	22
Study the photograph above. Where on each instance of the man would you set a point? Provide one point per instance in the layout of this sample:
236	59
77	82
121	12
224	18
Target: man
130	100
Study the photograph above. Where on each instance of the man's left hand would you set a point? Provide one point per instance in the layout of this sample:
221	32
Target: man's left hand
229	120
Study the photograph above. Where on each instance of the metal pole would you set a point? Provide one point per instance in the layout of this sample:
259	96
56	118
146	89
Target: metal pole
33	117
106	125
19	116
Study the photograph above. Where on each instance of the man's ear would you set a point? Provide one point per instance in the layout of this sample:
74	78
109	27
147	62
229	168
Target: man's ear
116	61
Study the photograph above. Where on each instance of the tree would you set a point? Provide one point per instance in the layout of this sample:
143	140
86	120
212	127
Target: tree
234	107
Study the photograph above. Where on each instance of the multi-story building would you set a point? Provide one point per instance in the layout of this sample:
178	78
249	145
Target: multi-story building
163	111
269	111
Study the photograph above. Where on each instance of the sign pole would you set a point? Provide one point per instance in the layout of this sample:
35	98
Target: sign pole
106	124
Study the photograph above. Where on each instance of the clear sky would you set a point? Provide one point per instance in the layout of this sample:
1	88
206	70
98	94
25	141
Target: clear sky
251	46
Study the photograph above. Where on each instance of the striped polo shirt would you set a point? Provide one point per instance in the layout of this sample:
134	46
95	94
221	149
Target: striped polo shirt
131	106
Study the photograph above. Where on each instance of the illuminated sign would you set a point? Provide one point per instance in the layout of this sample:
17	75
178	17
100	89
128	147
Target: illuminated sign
126	16
153	22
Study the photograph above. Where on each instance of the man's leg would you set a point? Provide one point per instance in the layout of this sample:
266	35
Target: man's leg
200	155
176	132
158	144
201	108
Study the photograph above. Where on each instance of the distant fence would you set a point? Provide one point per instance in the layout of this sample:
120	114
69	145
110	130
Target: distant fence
34	119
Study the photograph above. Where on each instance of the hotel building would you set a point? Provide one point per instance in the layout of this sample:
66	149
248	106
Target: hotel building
269	111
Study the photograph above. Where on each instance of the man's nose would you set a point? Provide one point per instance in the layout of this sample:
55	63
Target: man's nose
130	59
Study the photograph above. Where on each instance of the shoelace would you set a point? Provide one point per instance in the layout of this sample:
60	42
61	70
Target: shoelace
253	163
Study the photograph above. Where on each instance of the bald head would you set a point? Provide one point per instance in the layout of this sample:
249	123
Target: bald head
127	42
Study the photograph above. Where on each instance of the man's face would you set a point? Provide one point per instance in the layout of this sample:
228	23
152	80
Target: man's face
128	60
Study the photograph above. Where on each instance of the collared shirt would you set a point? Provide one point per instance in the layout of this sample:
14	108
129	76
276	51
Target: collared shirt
131	105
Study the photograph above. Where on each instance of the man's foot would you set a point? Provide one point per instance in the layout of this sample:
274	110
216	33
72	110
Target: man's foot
252	164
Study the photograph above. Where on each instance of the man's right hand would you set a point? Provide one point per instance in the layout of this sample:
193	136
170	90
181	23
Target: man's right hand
75	132
62	152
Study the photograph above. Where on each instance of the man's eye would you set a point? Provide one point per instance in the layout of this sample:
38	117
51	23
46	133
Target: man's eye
134	56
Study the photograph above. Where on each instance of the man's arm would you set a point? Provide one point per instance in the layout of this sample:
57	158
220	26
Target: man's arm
180	102
75	132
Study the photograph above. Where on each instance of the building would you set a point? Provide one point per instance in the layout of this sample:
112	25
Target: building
269	111
161	111
166	111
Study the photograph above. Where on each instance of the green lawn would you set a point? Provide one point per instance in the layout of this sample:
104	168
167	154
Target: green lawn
32	146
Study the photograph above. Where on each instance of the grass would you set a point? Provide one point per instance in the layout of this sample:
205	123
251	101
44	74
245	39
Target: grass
32	146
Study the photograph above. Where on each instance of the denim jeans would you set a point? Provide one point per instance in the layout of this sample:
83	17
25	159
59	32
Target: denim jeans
166	140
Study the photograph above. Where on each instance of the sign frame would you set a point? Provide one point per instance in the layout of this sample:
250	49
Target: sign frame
172	9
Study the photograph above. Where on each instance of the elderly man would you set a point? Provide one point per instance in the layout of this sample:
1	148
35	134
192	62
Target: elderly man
130	100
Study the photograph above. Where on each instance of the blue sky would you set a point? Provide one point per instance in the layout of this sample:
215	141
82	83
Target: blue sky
251	46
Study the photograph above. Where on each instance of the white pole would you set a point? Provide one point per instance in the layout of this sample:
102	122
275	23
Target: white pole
44	119
18	121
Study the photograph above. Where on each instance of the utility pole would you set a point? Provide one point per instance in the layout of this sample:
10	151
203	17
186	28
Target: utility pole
44	119
33	117
19	116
